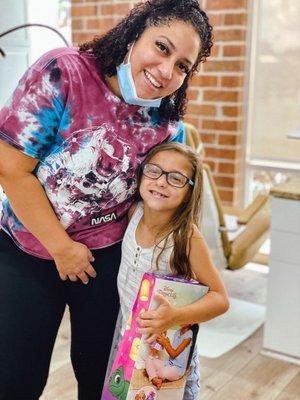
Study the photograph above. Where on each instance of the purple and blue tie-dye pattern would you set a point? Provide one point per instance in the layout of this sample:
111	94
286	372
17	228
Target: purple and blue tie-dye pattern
89	144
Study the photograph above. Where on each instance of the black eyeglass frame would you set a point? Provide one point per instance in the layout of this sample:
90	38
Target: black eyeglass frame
163	172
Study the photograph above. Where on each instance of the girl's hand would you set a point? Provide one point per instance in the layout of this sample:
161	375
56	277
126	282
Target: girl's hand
73	262
163	340
154	322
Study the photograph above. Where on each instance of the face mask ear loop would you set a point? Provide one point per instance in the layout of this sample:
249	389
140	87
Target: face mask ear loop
128	55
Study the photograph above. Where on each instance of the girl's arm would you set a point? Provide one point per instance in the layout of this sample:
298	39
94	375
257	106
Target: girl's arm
214	303
173	353
31	205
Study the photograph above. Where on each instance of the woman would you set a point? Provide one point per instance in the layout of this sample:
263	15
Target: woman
71	139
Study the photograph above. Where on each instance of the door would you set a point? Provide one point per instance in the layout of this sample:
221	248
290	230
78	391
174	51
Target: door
15	45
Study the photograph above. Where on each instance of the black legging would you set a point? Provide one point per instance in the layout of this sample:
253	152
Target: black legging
32	303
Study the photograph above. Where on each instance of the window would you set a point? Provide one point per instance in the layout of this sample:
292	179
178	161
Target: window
274	94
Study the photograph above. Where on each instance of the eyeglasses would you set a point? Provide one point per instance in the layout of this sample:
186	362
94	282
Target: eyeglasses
176	179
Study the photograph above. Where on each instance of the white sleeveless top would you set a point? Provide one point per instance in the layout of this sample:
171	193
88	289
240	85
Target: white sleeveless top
135	261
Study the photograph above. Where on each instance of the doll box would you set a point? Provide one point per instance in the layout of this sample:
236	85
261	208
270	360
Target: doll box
136	361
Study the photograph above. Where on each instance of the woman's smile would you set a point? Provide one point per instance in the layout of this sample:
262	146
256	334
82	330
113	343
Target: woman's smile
152	81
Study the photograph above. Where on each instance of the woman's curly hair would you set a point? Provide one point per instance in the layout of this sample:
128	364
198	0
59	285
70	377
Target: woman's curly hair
111	48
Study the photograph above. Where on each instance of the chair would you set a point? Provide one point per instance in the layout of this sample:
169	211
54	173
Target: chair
230	247
229	251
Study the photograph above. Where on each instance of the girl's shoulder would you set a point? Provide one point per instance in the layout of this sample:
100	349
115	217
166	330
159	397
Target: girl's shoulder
137	207
195	233
195	238
132	210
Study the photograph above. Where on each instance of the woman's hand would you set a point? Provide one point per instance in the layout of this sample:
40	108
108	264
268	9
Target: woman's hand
154	322
73	262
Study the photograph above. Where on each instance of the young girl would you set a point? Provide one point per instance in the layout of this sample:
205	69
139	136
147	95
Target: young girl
162	236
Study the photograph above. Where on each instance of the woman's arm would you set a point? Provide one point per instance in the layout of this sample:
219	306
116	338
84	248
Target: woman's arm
31	205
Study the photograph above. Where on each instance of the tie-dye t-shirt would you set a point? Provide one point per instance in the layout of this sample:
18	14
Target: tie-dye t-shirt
89	144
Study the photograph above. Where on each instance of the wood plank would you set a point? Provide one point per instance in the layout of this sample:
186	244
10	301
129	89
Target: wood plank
263	378
61	385
246	284
61	353
291	391
217	372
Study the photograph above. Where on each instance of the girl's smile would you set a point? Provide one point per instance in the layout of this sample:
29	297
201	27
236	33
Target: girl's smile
158	194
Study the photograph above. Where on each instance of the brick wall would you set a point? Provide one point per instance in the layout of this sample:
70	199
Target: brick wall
216	94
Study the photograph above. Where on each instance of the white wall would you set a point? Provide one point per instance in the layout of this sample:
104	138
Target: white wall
24	46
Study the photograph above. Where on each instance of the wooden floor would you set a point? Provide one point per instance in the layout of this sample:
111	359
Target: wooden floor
241	374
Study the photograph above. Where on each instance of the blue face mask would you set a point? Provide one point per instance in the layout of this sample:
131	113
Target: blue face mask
127	87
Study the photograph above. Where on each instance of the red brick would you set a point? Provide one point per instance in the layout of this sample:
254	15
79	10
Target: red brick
224	181
77	24
78	38
232	111
232	81
235	19
230	140
83	11
224	66
226	195
234	51
93	23
216	152
204	80
219	95
192	94
229	35
115	9
226	168
225	4
88	1
212	164
215	51
201	109
208	138
100	23
216	19
191	120
220	125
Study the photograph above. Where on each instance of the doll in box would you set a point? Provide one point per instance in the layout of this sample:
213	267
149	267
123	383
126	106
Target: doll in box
179	353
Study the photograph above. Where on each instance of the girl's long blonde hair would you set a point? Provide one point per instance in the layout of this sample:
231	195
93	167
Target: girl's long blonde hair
181	224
